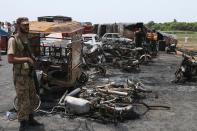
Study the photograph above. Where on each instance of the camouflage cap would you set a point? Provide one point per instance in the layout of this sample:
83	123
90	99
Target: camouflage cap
22	20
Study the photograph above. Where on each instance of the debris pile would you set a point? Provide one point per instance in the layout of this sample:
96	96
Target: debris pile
61	67
111	102
187	69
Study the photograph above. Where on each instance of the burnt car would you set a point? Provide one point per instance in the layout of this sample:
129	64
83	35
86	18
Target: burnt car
92	50
115	38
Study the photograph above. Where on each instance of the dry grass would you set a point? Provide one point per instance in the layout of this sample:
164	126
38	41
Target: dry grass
189	46
192	41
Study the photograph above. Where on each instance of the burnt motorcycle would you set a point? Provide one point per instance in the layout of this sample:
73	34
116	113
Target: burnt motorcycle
171	49
92	55
145	57
187	69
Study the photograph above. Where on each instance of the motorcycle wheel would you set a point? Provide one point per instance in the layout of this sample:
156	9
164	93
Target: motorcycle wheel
145	60
37	106
83	78
179	76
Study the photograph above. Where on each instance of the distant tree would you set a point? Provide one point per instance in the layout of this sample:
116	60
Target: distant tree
150	24
194	27
174	20
168	26
173	26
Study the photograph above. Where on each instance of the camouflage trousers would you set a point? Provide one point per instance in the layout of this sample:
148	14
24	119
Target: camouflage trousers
27	98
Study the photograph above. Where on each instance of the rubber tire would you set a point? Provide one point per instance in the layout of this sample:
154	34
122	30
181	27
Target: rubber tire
179	76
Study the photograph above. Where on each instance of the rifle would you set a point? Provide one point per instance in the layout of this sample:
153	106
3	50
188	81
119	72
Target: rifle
32	72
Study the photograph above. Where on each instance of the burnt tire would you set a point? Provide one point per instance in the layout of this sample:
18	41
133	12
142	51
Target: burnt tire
83	78
57	75
145	60
179	76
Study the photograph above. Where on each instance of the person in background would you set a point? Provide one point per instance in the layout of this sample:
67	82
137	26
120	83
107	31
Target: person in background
0	47
154	39
148	39
3	27
9	28
0	42
19	55
186	39
139	37
148	36
13	28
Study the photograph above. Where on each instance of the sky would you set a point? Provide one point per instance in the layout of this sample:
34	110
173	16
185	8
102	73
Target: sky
102	11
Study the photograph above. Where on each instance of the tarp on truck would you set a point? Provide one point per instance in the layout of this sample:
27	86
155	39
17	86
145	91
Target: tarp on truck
52	27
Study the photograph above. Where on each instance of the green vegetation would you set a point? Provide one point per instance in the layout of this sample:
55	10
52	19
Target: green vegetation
180	29
182	34
192	36
169	26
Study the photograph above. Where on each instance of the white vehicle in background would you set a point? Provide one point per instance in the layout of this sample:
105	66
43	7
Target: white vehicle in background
109	38
92	49
91	39
91	42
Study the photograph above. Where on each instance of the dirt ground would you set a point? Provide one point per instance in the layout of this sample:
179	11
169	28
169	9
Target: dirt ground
188	46
157	76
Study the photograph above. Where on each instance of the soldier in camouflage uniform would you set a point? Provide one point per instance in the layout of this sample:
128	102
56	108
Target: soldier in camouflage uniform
23	81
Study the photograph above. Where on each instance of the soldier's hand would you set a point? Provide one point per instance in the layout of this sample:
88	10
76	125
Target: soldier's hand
30	61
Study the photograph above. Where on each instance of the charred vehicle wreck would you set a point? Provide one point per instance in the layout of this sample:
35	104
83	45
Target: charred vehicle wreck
187	69
121	56
60	62
59	68
93	54
92	50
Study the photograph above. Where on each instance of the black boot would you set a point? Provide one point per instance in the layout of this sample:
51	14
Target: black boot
23	125
33	122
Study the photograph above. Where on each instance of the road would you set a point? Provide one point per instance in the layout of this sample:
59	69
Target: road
157	76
